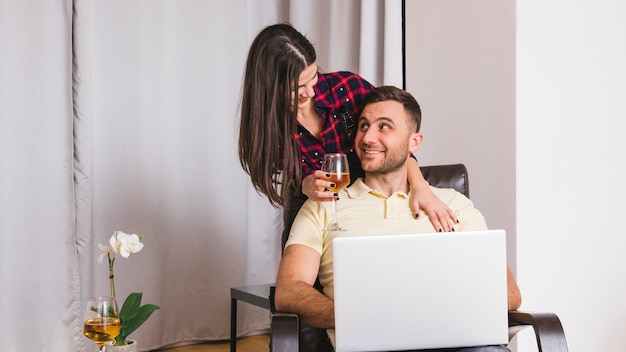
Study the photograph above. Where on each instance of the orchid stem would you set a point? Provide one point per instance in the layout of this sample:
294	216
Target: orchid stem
111	277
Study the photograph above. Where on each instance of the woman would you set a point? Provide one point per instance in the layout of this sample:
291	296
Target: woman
291	115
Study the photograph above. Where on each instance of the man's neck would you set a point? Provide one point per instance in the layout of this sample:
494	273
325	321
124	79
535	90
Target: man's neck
389	183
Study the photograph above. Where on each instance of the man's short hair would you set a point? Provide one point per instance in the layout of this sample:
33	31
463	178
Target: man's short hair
385	93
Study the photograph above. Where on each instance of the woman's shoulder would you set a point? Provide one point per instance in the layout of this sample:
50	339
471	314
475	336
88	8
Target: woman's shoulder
351	80
340	75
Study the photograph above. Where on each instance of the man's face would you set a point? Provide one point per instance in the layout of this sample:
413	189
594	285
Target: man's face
384	139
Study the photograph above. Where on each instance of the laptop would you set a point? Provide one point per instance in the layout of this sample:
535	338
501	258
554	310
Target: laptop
420	291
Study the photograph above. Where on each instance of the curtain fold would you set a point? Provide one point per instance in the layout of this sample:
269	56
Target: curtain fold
120	115
392	68
39	304
83	143
362	36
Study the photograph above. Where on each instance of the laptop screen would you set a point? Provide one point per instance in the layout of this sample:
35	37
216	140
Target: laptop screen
420	291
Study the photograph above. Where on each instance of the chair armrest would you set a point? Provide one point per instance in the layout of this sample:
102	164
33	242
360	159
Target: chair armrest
285	331
547	326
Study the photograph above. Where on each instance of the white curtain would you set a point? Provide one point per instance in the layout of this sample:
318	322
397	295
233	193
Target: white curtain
122	115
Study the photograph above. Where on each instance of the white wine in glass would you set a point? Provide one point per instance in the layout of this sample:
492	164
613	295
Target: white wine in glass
102	322
336	164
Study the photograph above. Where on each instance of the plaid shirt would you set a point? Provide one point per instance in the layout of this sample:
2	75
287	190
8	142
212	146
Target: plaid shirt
338	100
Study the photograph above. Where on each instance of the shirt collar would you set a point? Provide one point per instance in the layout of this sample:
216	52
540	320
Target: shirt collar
321	88
360	189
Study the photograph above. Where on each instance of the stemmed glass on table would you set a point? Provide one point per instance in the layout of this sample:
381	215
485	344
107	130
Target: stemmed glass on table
336	164
102	322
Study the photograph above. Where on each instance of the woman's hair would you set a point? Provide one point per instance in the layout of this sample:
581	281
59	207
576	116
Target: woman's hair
268	151
385	93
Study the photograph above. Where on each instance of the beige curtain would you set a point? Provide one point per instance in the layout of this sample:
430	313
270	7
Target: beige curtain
39	280
122	115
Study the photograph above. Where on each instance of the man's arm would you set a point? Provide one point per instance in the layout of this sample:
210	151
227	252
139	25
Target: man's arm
514	296
297	273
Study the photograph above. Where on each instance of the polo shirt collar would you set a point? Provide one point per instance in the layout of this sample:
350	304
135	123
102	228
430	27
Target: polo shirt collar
360	189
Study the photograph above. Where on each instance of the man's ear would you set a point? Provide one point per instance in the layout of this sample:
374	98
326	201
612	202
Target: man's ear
415	141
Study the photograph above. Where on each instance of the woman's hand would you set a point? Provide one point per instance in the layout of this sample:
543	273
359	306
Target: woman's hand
442	218
314	186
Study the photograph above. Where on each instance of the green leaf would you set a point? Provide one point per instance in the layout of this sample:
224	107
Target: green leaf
142	315
133	315
130	306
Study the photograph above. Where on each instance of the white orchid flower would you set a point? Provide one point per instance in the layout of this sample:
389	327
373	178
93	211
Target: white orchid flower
105	251
132	314
125	244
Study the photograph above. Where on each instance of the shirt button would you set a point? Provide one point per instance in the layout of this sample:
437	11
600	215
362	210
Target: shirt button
347	99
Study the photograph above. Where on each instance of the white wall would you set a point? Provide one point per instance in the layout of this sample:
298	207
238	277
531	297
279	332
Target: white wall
562	142
571	117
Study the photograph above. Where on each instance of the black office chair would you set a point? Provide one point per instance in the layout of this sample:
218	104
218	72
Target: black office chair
288	335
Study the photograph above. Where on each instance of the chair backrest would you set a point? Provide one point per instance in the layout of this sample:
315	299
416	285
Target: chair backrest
447	176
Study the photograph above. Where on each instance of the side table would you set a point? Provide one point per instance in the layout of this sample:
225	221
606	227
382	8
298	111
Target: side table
258	295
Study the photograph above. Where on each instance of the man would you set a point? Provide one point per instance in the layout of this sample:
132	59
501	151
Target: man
388	130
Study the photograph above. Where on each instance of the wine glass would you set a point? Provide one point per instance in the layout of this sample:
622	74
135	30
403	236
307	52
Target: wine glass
336	164
102	322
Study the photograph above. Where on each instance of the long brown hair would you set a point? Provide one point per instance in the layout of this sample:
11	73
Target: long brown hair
267	148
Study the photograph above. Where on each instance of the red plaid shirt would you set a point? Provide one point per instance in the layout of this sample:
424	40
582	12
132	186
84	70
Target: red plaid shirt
338	100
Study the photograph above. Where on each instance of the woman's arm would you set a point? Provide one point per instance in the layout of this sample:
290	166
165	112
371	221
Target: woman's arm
422	197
